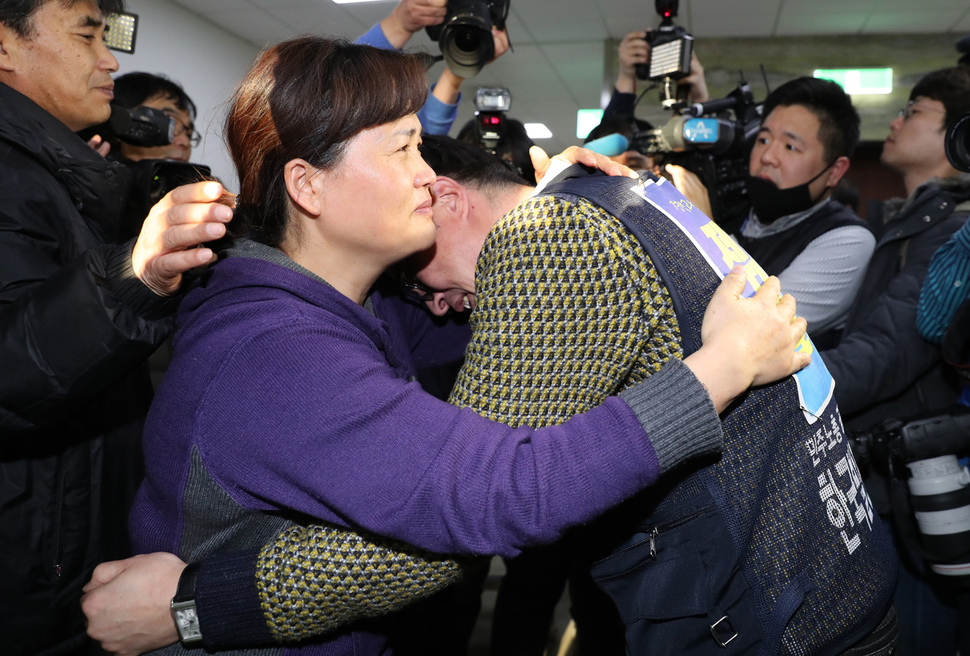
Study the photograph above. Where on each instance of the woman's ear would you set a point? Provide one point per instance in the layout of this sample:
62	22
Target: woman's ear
304	184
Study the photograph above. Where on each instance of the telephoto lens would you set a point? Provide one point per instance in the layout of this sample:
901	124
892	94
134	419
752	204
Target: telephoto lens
940	492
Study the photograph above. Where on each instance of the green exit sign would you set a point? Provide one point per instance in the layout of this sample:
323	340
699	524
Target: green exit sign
859	80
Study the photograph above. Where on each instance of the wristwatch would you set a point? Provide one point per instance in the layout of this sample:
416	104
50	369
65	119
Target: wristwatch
183	608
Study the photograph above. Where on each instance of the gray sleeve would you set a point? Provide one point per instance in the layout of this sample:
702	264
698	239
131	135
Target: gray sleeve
677	413
826	276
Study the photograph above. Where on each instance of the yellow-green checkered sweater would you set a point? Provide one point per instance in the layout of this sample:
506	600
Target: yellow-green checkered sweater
569	310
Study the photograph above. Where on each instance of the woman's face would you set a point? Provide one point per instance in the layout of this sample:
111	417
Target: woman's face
377	200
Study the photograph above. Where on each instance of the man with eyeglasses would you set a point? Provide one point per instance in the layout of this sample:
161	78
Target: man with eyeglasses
134	90
883	369
79	315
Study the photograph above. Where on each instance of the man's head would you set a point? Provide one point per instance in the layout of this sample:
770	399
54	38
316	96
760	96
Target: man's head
809	131
134	90
472	192
914	146
53	52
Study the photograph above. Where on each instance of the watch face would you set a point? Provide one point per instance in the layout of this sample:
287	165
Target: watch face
186	618
187	622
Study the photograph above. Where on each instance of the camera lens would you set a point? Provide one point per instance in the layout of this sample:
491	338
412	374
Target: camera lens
468	40
940	490
957	144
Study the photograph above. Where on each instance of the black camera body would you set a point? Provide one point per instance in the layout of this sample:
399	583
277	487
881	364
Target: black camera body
142	126
465	36
957	143
922	452
151	180
713	140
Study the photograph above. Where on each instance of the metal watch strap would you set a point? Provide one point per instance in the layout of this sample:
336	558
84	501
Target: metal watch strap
183	608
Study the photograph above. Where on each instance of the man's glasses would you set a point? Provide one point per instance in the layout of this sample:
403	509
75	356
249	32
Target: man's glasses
181	128
415	290
909	111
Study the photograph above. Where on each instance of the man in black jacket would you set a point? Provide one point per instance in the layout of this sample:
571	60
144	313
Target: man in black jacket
77	318
882	368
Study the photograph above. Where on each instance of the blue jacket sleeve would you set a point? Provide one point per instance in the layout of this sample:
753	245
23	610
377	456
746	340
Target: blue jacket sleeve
946	286
375	37
436	117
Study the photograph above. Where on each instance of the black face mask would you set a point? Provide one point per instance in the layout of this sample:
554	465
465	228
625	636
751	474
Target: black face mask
771	203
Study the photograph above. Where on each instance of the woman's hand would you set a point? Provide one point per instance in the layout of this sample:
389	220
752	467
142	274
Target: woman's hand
747	341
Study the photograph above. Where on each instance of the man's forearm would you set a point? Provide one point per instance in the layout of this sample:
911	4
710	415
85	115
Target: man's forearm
312	580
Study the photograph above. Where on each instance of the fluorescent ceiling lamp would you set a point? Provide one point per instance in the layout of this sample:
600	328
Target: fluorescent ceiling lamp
586	120
859	81
538	131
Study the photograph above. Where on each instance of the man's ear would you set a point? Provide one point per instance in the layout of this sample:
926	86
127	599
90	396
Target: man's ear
304	185
8	44
449	197
838	169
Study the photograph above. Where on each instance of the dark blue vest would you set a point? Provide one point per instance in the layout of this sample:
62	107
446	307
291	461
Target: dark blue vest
774	548
776	252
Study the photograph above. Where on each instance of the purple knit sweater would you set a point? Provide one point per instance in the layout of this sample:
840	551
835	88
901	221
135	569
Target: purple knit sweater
285	396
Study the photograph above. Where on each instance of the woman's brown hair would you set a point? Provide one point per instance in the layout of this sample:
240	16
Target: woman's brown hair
305	98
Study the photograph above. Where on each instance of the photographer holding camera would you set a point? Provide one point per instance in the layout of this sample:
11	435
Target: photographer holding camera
134	90
410	16
78	317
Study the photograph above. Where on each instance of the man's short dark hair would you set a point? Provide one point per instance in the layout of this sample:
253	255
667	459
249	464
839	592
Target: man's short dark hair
950	86
838	120
133	89
18	15
466	163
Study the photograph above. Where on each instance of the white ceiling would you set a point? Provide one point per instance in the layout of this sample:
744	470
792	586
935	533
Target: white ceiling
557	65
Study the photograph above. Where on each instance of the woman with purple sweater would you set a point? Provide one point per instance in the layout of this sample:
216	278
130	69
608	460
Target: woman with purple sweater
287	401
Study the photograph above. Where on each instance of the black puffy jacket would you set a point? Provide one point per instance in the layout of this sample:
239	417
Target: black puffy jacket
75	329
883	368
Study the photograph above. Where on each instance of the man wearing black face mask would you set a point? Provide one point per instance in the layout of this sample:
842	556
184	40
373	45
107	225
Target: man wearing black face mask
817	247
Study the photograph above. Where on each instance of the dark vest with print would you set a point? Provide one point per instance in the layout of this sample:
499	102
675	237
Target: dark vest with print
775	252
774	548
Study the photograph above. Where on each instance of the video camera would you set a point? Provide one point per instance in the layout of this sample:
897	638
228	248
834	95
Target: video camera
957	144
151	178
713	146
142	126
465	37
938	486
713	139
